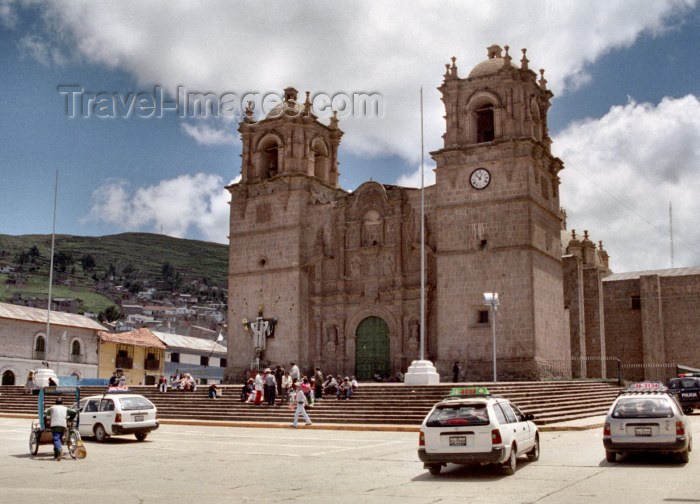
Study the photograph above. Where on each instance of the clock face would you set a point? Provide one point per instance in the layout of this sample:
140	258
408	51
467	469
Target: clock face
480	178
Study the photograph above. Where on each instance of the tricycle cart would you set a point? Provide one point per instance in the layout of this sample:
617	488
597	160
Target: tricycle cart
41	428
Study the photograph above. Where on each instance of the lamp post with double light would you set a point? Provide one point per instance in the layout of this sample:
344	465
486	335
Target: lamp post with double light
491	300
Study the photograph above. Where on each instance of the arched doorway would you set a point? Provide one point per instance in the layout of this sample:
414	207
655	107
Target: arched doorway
372	351
8	378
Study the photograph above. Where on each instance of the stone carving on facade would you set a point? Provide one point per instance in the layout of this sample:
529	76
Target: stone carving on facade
388	264
355	265
413	338
332	339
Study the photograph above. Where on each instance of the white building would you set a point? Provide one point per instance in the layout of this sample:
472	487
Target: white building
70	349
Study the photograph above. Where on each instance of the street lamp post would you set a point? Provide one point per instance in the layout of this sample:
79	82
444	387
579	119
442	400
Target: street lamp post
491	300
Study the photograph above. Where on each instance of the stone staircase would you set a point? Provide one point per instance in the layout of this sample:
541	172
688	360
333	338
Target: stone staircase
380	403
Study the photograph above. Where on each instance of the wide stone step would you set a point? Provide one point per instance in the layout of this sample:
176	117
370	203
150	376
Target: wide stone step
372	403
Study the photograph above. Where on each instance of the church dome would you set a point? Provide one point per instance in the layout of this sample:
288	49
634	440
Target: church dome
492	65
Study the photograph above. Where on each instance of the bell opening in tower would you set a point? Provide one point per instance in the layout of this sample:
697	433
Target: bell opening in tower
484	124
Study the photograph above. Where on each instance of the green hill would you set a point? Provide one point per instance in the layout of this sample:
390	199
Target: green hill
85	267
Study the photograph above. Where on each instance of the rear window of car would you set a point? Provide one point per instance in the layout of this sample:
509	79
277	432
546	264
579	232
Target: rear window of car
678	383
643	407
135	403
459	414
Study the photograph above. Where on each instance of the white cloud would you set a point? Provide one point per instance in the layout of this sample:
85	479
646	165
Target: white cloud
182	206
362	46
8	14
413	179
622	171
207	133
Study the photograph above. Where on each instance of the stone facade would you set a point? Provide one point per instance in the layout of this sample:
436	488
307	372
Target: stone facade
340	272
652	320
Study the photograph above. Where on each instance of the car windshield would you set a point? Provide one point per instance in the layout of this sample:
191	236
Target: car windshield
135	403
643	407
459	414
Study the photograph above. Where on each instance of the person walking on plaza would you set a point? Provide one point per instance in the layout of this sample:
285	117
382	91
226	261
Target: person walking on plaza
455	372
300	401
59	416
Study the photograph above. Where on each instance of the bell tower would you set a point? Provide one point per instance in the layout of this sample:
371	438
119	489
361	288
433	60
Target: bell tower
289	167
498	222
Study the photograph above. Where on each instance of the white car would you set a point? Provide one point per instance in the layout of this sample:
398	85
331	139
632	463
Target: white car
646	418
114	414
474	427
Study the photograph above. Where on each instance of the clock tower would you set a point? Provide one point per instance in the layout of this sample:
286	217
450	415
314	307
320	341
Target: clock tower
497	224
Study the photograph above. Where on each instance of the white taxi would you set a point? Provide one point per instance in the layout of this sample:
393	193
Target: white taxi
114	414
472	426
646	418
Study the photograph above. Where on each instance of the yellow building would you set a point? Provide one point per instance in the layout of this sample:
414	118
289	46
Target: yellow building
138	353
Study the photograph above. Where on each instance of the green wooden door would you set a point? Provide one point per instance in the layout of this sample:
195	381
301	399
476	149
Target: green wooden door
372	350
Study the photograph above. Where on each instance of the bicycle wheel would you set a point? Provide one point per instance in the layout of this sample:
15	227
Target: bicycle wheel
34	442
72	443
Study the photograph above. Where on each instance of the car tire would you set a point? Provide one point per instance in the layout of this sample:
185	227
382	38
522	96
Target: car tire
34	442
509	466
534	454
435	469
100	433
140	436
610	456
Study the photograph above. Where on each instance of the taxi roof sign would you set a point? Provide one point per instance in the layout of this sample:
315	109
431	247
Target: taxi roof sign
646	386
468	391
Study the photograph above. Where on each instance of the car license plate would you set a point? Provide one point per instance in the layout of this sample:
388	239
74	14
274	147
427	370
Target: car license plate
642	431
458	441
139	418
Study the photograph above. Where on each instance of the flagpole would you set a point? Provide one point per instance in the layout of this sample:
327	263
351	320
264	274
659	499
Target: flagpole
421	371
53	244
422	234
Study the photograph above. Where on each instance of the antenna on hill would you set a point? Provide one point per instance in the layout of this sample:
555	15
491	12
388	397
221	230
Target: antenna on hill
670	227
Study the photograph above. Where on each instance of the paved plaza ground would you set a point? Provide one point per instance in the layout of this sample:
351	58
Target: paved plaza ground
202	465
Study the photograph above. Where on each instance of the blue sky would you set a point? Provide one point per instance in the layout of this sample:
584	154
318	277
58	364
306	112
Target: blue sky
625	118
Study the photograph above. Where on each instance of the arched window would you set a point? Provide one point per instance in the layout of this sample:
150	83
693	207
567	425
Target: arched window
320	152
269	149
485	129
75	348
40	344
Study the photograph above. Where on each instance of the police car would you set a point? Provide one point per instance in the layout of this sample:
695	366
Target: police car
472	426
646	418
686	386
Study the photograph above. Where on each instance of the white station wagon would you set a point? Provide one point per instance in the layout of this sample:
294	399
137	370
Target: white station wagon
474	427
114	414
647	418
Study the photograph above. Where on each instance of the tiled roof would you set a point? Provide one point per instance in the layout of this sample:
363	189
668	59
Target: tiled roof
140	338
191	343
27	314
633	275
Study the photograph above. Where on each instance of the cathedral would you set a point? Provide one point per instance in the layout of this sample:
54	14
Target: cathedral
333	277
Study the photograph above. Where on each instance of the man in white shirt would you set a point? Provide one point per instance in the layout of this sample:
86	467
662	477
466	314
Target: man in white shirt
58	414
